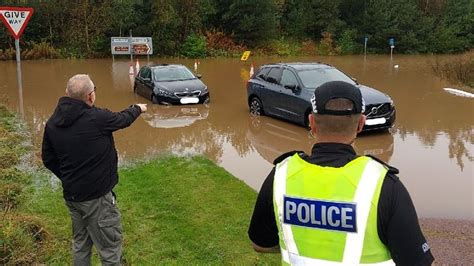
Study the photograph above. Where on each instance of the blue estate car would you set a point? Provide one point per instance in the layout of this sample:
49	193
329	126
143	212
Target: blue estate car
284	91
170	84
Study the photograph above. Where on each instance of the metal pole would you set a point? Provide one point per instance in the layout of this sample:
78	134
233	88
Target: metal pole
365	47
18	74
130	48
391	52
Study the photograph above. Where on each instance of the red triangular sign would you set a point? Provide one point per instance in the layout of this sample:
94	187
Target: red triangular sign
16	19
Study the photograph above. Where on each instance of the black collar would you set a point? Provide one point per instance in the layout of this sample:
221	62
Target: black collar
332	154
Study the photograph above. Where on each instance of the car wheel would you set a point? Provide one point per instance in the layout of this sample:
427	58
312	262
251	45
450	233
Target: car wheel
256	107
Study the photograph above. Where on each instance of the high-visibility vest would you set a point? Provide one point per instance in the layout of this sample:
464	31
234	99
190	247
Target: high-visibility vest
328	215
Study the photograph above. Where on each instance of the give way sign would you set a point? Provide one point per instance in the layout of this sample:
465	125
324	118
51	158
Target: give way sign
16	19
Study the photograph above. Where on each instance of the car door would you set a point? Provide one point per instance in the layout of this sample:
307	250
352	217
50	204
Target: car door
271	98
144	83
292	103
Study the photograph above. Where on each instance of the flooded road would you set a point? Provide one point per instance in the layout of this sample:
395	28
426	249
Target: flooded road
432	142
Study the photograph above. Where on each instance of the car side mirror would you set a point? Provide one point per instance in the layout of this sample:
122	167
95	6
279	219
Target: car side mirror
199	76
355	80
293	87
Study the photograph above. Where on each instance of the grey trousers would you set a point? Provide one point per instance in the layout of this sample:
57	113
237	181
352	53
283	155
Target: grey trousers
96	222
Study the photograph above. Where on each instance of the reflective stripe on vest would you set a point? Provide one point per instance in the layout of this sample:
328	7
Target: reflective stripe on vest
354	242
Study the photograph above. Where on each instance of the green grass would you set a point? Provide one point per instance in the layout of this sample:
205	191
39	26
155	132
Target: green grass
20	234
175	210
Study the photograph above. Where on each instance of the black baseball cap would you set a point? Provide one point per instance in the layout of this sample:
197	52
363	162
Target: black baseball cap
334	90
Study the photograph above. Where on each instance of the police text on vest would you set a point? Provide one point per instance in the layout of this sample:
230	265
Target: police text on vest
329	215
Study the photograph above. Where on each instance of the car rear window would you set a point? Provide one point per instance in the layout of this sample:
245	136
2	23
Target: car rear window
172	73
313	78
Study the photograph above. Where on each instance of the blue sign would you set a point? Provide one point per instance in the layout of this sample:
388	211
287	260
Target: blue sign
391	41
329	215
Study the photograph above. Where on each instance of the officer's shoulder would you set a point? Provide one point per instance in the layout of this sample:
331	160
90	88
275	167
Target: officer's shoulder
391	171
288	154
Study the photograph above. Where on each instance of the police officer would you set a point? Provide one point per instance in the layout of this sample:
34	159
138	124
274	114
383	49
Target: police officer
334	207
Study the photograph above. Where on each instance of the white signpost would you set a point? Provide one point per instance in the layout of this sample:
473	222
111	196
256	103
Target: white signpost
16	19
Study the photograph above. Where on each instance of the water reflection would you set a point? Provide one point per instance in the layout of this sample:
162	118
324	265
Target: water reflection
271	138
378	144
174	116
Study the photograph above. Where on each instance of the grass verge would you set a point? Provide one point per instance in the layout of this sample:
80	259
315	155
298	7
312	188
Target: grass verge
21	235
175	210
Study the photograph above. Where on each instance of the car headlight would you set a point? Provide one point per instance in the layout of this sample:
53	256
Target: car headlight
392	104
204	90
164	92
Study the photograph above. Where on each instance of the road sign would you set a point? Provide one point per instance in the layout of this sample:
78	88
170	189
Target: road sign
16	19
141	48
138	45
245	56
391	42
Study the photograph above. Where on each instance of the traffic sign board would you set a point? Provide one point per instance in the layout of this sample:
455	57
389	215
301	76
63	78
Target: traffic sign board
245	56
141	48
391	41
16	19
134	45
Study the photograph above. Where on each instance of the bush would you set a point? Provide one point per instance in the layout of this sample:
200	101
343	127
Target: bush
42	50
458	70
32	50
327	45
346	43
194	46
283	47
219	44
7	54
308	47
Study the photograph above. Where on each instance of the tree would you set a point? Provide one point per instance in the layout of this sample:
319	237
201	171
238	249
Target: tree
252	22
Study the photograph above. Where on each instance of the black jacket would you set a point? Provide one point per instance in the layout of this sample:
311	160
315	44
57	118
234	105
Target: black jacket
78	147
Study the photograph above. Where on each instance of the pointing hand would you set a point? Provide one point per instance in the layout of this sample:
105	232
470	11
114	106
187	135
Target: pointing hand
142	107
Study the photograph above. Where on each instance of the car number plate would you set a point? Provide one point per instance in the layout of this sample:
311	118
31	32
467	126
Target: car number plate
375	121
187	100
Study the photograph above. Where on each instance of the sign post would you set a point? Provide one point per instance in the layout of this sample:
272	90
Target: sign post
391	42
16	19
366	39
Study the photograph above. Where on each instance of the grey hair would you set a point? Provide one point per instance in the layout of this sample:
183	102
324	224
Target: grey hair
79	86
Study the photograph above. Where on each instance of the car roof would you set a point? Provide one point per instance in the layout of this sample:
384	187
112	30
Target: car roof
165	65
301	65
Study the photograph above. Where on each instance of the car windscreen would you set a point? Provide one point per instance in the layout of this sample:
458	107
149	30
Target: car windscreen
172	73
313	78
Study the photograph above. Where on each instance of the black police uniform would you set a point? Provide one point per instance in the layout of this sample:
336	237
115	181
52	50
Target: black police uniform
397	222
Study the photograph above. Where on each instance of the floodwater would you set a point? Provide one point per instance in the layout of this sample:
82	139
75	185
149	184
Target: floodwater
432	142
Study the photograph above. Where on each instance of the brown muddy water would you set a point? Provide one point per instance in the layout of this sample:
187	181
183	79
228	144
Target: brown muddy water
432	142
